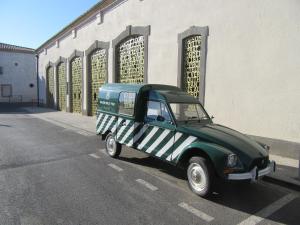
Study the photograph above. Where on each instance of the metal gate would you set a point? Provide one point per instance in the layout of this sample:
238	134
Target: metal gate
98	76
191	62
50	87
76	73
61	69
130	60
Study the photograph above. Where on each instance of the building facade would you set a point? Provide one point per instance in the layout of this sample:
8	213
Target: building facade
240	58
17	74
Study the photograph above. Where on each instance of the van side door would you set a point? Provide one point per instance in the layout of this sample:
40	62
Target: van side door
158	138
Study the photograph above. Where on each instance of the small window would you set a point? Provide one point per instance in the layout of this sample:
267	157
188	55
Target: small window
165	112
126	103
156	109
6	90
153	110
1	70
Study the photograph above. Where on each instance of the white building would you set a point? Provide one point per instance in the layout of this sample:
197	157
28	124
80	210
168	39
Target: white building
240	58
17	74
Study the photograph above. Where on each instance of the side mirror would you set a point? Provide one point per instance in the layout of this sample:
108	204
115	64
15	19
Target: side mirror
212	117
160	118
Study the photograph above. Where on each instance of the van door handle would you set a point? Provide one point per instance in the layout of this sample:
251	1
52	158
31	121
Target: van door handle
146	125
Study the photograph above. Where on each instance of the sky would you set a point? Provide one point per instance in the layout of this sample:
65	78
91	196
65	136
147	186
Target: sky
29	23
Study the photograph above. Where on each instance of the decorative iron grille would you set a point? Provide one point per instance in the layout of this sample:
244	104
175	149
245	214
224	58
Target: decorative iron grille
98	72
76	68
191	65
50	82
61	68
130	60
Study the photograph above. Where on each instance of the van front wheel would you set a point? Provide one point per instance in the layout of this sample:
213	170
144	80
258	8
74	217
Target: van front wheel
113	148
200	176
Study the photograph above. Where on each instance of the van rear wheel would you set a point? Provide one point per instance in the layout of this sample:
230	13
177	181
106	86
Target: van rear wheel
113	148
200	176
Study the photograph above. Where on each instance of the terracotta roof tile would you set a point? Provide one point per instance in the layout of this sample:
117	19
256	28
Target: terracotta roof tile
15	48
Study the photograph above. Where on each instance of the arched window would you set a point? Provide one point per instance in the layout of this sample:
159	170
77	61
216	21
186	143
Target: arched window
130	61
98	68
61	83
76	81
97	71
192	61
191	65
50	85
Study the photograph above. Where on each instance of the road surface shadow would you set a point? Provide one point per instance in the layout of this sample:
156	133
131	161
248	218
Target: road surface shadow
243	196
10	108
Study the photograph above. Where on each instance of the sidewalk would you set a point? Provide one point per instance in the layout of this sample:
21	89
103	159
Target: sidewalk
287	171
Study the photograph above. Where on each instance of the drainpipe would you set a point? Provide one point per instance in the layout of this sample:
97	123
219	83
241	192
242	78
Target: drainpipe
37	79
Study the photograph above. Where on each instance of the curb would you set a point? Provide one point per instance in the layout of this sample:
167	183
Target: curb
282	182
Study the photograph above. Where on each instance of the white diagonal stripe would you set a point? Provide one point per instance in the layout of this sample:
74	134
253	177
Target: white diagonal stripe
108	124
158	141
168	145
131	129
137	136
116	125
269	210
122	129
147	138
179	149
99	118
196	212
102	123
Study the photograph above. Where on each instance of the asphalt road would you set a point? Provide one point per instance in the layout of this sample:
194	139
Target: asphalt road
52	175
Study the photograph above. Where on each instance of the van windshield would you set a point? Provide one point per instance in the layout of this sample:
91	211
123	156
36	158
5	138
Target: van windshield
188	112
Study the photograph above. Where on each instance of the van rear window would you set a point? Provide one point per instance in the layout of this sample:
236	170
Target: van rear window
126	103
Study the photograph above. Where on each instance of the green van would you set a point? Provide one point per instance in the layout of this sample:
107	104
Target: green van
167	123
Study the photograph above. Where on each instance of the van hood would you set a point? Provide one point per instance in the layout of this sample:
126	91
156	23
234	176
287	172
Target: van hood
243	146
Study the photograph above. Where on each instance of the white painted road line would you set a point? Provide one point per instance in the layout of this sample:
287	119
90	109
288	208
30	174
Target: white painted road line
94	156
285	161
119	169
269	210
83	132
147	185
196	212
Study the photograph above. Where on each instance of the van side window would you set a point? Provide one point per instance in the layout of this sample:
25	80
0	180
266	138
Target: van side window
126	103
165	112
153	110
156	109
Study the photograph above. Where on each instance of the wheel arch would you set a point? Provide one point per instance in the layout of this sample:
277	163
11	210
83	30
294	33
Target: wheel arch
216	155
103	136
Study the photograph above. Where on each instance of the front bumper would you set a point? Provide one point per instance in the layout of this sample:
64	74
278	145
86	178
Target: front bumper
254	174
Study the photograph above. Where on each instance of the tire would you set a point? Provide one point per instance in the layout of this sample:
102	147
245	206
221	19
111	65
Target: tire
113	148
200	176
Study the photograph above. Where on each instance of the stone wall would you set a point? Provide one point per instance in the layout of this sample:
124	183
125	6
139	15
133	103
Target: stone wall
252	64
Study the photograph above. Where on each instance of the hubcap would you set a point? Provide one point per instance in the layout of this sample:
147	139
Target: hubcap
111	145
197	177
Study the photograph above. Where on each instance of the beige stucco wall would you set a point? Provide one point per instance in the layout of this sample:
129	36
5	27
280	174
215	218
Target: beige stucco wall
19	70
253	63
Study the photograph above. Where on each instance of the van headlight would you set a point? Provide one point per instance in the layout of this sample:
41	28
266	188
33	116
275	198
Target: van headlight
232	160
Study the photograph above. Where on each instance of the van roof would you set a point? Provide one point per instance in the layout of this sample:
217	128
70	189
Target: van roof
137	87
156	91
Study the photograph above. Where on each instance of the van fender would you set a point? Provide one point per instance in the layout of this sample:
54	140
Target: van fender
216	154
